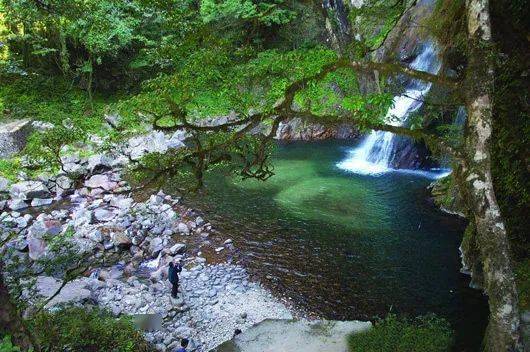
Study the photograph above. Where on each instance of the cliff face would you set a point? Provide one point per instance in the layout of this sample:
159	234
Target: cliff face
297	129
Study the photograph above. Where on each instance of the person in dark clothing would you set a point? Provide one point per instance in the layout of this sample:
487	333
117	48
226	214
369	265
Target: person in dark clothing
173	277
183	344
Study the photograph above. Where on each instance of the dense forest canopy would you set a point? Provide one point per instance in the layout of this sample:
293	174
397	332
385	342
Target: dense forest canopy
174	64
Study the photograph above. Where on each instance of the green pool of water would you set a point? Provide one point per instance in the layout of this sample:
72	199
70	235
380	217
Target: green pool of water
347	246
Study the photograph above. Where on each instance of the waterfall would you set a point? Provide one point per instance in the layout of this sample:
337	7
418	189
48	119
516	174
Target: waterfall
374	154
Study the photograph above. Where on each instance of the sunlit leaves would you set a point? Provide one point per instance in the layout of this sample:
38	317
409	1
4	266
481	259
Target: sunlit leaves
267	13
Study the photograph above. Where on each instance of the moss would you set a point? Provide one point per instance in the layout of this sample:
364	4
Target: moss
522	277
446	195
424	334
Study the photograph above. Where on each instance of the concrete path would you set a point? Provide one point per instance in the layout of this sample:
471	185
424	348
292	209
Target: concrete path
295	335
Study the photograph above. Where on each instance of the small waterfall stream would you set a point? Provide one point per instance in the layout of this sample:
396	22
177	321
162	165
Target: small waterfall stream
374	154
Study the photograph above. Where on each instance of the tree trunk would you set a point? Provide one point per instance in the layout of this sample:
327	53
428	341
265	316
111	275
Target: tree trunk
491	238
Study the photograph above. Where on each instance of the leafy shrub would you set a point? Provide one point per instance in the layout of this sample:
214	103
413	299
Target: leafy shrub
7	346
78	329
424	334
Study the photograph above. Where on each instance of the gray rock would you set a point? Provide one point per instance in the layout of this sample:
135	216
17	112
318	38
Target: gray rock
113	119
81	217
155	246
62	185
75	169
4	184
16	204
39	202
104	215
95	236
73	292
100	181
70	159
183	228
178	248
29	190
37	248
99	163
120	239
13	136
121	202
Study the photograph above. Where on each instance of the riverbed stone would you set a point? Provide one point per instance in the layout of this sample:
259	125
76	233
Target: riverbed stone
29	190
39	202
183	228
99	163
37	248
177	248
155	246
16	204
100	181
63	184
104	215
121	240
4	184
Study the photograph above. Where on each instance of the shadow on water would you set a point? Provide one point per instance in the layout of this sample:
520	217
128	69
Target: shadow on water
347	246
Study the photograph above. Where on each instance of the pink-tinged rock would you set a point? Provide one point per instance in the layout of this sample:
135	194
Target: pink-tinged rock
101	181
36	247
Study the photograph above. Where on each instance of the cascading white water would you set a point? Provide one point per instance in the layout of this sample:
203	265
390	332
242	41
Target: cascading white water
374	154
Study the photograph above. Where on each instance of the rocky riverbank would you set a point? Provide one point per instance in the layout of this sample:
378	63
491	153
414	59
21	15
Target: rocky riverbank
121	247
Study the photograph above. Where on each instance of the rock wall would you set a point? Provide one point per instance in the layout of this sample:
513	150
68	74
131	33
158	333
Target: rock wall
297	129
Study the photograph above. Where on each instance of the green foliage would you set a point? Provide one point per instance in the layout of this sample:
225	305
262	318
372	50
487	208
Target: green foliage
372	22
77	329
267	13
47	99
423	334
215	83
448	25
7	346
9	168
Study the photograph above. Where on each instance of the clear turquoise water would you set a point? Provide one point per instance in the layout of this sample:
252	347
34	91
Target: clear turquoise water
347	246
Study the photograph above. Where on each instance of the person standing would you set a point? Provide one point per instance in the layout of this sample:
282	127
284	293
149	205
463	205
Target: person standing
183	345
173	277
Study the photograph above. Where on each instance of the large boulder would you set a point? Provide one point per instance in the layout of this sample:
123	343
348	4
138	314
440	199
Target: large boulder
75	292
37	247
99	163
4	184
63	185
13	136
155	246
101	181
16	204
29	189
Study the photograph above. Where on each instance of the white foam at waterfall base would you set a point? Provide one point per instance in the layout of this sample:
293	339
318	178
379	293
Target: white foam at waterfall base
373	155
